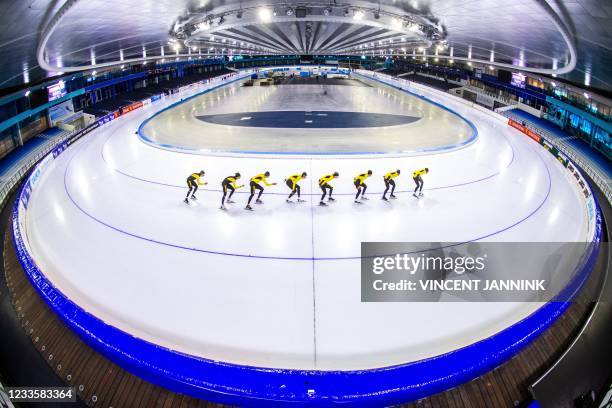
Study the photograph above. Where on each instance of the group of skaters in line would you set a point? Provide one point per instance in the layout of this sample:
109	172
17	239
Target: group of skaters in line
230	185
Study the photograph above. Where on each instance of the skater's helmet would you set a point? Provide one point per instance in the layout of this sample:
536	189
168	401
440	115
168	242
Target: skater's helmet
398	171
336	174
426	170
267	174
304	174
237	175
202	172
369	172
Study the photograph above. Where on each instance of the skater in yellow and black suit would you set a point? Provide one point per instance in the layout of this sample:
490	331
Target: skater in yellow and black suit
193	181
292	183
418	180
229	183
255	185
324	184
361	186
388	179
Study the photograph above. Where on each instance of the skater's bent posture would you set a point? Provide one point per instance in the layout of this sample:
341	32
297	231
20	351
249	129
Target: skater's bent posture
229	183
388	179
193	181
324	184
361	186
292	183
416	176
255	185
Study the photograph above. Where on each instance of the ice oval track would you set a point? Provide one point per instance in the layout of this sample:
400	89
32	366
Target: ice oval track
108	228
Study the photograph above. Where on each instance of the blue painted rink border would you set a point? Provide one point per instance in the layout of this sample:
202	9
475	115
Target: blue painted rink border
246	385
183	149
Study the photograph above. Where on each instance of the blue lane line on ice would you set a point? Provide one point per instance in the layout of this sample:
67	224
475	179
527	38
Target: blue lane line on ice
309	194
188	150
211	252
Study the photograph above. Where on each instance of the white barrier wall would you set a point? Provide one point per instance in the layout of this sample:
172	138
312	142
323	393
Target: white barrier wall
424	90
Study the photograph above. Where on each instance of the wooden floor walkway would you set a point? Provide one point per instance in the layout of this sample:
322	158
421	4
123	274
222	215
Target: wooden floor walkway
101	383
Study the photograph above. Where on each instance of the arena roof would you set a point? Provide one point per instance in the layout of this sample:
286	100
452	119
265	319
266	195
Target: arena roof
546	36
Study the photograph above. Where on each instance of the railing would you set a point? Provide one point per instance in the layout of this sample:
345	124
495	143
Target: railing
494	95
5	402
594	173
8	182
22	167
606	402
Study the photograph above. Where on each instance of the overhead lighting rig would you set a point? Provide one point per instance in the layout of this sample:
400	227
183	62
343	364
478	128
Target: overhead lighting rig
426	28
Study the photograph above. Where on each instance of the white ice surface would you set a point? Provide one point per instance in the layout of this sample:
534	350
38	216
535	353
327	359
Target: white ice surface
108	227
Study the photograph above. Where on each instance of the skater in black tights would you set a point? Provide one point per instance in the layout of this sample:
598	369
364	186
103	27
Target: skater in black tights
292	182
324	184
229	183
388	179
255	185
361	186
418	180
193	181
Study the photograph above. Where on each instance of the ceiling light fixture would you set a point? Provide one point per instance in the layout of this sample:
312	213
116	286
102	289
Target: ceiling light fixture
265	14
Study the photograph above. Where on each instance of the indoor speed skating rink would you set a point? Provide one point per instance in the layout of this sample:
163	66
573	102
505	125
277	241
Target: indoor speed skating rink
280	286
